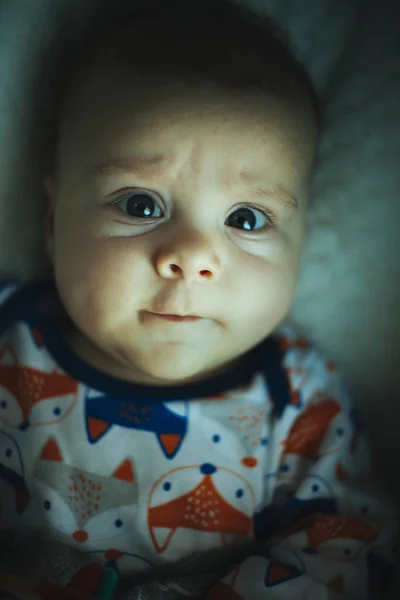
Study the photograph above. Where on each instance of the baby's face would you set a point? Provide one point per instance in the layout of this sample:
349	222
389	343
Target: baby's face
179	202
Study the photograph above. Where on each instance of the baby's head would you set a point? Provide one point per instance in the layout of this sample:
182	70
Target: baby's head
182	175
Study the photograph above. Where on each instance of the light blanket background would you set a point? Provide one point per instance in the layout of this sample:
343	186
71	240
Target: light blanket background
348	300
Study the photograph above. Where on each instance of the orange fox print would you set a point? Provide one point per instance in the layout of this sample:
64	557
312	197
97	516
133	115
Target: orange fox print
333	536
320	430
30	397
309	429
235	586
331	548
86	507
200	500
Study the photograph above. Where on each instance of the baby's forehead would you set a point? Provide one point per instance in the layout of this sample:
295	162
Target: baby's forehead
117	100
174	131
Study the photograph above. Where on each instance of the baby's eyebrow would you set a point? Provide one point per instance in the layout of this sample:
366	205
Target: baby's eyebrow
278	193
136	165
148	166
256	186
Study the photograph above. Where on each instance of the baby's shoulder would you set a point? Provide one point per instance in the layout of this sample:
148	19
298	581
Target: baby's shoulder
310	370
10	304
299	353
8	287
20	300
10	292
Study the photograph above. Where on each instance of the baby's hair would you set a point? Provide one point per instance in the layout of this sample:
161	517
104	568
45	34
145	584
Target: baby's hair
214	42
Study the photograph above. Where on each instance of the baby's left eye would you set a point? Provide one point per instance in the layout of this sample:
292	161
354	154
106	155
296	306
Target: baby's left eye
249	219
139	204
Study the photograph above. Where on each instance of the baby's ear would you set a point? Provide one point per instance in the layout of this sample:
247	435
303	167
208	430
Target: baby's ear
50	188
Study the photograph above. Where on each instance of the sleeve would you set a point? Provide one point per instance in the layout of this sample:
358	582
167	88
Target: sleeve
7	288
327	530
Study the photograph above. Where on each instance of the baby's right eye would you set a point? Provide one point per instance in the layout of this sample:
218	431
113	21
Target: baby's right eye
139	204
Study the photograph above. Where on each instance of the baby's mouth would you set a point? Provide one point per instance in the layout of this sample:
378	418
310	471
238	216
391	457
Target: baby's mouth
176	318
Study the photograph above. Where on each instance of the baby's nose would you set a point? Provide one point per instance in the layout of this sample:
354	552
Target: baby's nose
191	262
172	271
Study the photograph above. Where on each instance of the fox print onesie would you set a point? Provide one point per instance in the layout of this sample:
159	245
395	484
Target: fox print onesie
138	476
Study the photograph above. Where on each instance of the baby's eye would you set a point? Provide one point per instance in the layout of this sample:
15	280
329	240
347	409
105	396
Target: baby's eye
139	204
249	219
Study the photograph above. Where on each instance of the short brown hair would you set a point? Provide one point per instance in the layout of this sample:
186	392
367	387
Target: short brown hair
214	41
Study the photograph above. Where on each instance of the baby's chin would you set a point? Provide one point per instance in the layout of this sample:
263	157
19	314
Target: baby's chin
172	370
162	364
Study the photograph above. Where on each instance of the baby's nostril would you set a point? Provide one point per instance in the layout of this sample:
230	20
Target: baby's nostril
206	273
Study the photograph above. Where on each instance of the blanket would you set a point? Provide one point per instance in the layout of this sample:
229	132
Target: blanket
33	557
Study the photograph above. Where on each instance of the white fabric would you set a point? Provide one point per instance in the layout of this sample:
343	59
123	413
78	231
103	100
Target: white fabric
125	477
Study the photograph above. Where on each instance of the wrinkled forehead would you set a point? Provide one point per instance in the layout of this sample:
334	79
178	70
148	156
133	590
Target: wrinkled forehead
117	108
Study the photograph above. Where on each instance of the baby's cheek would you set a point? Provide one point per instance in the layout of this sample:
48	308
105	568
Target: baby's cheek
271	287
100	279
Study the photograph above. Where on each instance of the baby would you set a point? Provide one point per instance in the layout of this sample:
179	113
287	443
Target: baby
152	401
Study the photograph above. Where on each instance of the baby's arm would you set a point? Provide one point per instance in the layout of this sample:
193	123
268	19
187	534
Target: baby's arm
329	531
